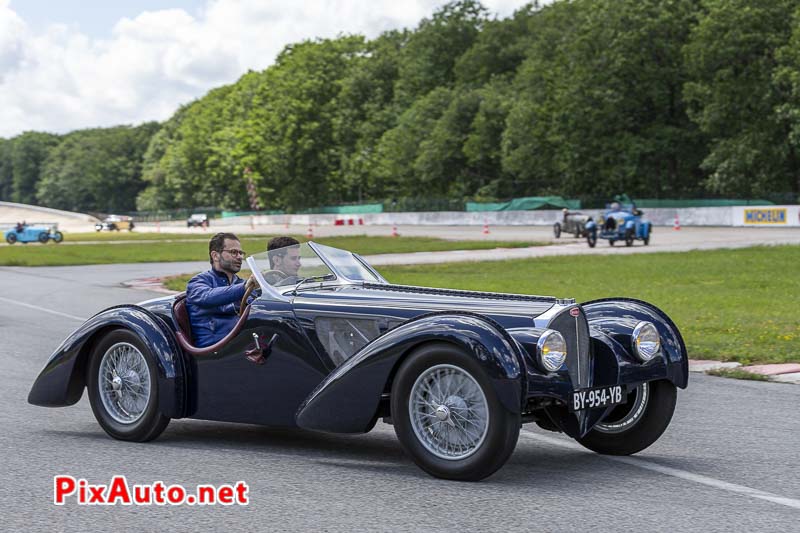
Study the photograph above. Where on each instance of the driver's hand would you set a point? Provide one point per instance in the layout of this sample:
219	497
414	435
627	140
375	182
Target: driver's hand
251	282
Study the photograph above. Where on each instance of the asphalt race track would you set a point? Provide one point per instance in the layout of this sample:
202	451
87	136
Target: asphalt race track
728	462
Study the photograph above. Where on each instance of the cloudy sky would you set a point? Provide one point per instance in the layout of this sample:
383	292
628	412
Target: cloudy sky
70	64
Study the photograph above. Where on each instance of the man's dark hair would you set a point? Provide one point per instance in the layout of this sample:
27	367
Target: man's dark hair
217	243
276	247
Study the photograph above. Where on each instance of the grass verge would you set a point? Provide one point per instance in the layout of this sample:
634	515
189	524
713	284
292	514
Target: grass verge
737	373
109	251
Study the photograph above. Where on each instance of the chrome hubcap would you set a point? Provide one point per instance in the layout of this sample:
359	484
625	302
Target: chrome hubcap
636	406
124	383
449	412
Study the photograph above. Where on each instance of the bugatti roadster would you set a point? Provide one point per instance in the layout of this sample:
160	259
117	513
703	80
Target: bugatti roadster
457	373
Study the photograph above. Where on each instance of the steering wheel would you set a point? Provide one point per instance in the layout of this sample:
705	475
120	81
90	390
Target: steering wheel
247	294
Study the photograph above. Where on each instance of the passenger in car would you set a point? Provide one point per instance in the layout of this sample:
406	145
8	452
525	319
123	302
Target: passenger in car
284	261
213	297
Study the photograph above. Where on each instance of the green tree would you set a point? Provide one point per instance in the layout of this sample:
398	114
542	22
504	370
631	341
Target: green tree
96	169
737	97
28	153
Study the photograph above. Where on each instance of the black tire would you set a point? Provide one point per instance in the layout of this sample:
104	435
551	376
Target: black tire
502	429
629	237
43	237
130	228
591	239
643	429
113	227
11	238
577	234
557	230
58	236
151	422
611	242
647	239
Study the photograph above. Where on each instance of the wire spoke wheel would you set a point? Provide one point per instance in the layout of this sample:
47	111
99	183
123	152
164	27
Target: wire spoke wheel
625	416
449	412
124	383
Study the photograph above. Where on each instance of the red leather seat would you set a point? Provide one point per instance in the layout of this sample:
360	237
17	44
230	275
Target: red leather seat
183	328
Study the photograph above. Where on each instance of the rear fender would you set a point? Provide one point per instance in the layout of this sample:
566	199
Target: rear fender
616	317
347	400
63	378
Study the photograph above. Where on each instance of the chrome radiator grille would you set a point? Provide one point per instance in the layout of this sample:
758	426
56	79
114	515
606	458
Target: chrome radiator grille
572	324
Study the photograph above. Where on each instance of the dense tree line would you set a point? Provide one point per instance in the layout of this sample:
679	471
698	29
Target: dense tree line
582	98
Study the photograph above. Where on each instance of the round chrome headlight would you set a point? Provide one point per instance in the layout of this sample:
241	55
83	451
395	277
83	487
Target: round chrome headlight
552	350
646	342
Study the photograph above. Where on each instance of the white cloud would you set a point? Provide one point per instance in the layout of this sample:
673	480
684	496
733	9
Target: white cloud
61	79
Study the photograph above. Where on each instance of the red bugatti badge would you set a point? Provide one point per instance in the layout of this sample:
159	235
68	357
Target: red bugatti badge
574	311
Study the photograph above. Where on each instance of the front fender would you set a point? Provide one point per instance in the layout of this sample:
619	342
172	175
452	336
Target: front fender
347	400
63	378
616	317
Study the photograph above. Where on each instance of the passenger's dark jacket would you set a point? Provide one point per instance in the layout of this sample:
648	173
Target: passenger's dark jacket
212	303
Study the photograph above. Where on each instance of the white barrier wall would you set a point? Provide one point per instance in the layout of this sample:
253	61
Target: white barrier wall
773	216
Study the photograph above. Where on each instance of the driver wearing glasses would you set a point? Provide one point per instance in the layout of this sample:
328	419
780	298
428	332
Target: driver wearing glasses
212	297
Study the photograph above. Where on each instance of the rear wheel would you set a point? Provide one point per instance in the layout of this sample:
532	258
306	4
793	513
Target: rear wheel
11	238
123	388
556	230
447	415
635	425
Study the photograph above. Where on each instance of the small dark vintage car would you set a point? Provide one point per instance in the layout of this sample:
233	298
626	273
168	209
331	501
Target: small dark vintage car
338	348
572	222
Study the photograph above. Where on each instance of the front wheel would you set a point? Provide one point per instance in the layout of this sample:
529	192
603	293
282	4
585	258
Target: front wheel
628	237
58	236
123	388
635	425
591	238
556	230
447	415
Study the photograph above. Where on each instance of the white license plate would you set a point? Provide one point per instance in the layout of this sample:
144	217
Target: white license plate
597	398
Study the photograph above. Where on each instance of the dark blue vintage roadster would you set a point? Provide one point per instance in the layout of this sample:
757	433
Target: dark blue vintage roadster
456	372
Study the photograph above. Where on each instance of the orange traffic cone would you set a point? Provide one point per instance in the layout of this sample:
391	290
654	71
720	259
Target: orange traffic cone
485	227
310	234
394	231
677	225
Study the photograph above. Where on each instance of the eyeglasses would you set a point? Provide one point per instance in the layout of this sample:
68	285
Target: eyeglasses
234	252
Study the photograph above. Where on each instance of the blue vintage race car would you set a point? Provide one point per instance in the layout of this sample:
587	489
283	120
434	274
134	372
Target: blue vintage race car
619	223
337	348
24	233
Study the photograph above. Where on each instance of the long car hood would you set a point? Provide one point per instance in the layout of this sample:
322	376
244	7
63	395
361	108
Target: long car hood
404	302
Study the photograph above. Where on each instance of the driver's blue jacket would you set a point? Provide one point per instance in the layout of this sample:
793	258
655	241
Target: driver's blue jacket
212	303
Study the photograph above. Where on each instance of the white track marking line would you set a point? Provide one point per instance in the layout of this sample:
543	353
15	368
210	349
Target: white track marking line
674	472
43	309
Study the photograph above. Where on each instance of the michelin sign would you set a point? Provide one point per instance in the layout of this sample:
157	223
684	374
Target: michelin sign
767	216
